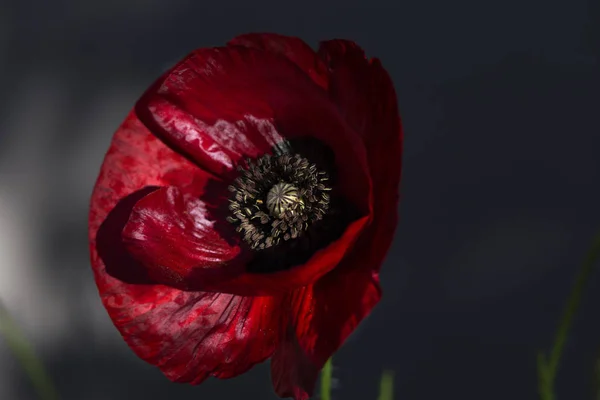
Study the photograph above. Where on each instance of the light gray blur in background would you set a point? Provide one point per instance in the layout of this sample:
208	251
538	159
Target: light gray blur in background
500	192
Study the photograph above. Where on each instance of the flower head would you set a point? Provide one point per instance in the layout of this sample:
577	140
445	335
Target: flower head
245	206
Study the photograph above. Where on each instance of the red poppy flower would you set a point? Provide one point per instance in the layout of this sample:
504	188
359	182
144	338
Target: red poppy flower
245	206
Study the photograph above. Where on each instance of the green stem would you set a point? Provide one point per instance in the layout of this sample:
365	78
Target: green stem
548	366
386	386
24	352
326	374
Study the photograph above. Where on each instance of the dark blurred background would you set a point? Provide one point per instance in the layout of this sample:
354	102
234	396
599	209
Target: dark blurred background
500	197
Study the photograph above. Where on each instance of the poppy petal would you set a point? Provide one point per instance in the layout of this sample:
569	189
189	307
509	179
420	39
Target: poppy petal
293	48
189	335
365	94
221	105
327	312
174	235
323	315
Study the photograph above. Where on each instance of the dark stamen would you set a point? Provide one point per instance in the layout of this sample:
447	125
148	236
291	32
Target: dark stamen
277	198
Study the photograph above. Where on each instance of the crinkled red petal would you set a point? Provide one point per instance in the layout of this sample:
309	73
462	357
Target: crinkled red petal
189	335
325	314
193	335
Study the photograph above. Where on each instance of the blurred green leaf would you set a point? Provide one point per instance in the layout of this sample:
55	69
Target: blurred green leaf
25	354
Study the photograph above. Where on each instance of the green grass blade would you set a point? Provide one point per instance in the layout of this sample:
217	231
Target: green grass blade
326	377
548	366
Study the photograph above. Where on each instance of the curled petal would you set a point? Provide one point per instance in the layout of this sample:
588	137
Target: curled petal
136	164
174	234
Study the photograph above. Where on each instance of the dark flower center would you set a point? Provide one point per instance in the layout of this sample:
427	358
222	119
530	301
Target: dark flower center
277	198
285	205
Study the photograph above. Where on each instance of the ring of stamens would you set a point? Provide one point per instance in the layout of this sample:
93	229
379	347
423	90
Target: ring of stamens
277	198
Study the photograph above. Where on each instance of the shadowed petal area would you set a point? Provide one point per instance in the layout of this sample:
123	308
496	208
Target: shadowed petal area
278	283
292	48
322	316
189	335
172	233
221	105
328	311
293	373
365	94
